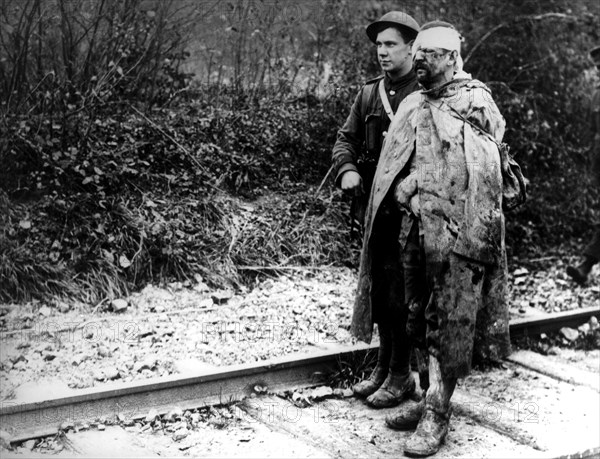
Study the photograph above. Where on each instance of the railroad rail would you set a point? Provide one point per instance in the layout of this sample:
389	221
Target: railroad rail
45	416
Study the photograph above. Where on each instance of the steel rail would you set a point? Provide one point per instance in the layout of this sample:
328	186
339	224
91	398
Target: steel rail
545	323
45	416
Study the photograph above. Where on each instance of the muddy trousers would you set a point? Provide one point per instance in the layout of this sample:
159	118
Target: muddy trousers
416	296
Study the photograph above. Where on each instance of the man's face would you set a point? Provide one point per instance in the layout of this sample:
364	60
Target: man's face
432	66
393	53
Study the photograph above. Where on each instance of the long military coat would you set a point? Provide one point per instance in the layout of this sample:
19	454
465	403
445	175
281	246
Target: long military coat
460	192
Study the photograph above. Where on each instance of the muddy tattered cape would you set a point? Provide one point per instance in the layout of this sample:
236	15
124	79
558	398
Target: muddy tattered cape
460	192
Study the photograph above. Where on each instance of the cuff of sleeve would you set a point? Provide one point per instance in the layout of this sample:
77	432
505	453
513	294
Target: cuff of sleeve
342	170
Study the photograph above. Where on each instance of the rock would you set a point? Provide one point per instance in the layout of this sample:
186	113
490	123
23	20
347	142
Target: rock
221	297
519	272
49	356
29	444
195	417
5	439
321	392
77	359
173	414
168	331
45	311
180	434
326	303
119	305
98	375
147	364
67	425
593	322
103	351
348	393
19	358
205	303
179	425
569	333
585	328
101	427
159	308
201	287
151	416
112	374
553	350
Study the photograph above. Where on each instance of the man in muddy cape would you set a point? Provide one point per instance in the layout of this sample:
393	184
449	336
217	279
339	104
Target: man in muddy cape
442	167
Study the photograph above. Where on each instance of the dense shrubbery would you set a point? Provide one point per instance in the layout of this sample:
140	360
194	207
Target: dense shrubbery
118	171
150	197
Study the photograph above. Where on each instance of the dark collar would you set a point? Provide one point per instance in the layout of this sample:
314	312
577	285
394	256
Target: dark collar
401	82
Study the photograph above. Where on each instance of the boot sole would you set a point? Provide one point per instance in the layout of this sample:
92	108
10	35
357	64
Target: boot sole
413	453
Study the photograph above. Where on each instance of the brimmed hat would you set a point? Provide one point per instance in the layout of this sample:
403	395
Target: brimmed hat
393	19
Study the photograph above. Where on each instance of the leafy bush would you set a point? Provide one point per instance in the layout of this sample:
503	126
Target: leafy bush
118	171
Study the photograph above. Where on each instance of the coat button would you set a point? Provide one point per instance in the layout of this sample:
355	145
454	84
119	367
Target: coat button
392	92
384	133
387	170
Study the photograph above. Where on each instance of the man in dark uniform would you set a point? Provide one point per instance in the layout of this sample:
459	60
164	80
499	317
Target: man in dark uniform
591	254
355	157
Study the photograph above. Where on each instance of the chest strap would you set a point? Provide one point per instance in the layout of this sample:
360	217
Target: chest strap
386	102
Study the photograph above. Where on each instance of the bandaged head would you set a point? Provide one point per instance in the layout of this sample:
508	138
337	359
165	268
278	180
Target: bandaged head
444	37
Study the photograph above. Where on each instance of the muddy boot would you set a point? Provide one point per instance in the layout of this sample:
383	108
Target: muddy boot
429	436
580	273
369	386
395	388
400	383
408	415
433	426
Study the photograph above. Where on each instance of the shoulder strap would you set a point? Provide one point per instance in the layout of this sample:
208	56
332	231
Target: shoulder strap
386	102
366	95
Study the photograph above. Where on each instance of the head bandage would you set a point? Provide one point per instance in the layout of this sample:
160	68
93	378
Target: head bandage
439	37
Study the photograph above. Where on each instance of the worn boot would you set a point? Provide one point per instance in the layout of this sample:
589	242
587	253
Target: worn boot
408	415
370	385
400	382
411	410
433	425
394	389
580	273
429	436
